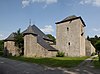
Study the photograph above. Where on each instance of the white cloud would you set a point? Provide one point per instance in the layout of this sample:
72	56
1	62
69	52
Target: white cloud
48	29
45	1
96	30
27	2
92	2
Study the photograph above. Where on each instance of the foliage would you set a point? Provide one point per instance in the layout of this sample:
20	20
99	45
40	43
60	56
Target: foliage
97	45
96	62
66	62
60	54
1	45
1	53
52	38
19	41
94	53
93	39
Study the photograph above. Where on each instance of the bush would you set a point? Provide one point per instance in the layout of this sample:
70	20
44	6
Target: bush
99	56
60	54
93	54
1	53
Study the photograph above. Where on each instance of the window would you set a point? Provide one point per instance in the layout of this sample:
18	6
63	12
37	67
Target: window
82	34
69	43
67	29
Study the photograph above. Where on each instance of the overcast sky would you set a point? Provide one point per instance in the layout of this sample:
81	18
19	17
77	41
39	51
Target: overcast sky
15	14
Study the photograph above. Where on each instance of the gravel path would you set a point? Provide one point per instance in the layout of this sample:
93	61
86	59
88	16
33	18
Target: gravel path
8	66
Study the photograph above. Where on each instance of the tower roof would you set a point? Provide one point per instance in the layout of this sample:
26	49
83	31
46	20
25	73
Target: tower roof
29	30
70	18
35	30
10	37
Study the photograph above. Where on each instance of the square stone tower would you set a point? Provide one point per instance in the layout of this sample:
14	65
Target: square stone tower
70	37
30	42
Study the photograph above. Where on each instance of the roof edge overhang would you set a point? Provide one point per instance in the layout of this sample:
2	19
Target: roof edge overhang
30	33
71	20
53	50
48	39
8	40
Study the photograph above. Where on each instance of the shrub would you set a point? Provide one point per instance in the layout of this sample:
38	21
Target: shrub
60	54
1	53
93	54
99	56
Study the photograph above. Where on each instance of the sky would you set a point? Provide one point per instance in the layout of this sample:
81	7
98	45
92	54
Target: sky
15	14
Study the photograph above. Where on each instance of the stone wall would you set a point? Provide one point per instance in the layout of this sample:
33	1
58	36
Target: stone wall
42	52
89	48
9	47
33	49
68	38
30	45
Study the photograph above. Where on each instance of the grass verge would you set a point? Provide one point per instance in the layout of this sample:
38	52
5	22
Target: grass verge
96	63
65	62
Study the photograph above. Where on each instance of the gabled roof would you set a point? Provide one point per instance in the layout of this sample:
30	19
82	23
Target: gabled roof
35	30
44	44
10	37
70	18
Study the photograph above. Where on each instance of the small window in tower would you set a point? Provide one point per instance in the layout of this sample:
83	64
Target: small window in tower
67	29
82	34
69	43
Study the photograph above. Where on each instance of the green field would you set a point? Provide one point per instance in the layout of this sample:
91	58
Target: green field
65	62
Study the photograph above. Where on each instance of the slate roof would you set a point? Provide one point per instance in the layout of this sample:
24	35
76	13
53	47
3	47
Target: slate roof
70	18
35	30
40	37
10	37
29	30
42	42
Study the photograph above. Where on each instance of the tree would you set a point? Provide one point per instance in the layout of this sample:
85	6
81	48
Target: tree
96	37
1	45
88	38
19	42
93	39
52	38
97	46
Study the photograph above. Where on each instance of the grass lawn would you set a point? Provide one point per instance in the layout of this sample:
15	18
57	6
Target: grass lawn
96	63
65	62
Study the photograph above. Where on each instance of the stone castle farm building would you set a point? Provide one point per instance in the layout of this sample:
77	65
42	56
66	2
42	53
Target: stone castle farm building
70	39
36	43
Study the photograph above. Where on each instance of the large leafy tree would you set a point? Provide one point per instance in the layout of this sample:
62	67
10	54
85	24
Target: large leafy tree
19	41
97	46
1	45
93	39
52	38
